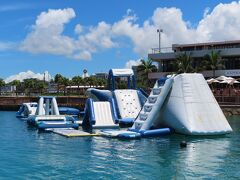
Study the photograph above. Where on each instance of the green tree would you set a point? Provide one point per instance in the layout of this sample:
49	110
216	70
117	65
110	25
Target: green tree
16	83
77	80
33	85
101	82
90	81
144	69
29	85
213	61
2	83
65	82
58	79
184	63
40	86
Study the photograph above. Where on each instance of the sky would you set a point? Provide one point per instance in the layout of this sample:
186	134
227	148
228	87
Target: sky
68	36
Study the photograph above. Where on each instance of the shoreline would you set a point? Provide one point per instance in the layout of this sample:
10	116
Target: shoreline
230	110
8	103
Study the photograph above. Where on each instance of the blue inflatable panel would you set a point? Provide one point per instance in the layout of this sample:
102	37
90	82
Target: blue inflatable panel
129	135
46	125
126	121
69	111
155	132
120	134
18	115
133	130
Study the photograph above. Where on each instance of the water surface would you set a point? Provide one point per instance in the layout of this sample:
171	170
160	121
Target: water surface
27	154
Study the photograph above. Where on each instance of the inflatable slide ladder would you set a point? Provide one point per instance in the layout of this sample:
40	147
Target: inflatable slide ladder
148	115
150	111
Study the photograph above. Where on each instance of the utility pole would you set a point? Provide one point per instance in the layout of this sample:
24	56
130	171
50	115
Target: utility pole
159	33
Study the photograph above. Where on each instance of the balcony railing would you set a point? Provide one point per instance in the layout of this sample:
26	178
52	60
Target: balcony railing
162	50
228	100
170	49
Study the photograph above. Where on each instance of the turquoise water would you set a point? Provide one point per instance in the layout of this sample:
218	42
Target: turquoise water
27	154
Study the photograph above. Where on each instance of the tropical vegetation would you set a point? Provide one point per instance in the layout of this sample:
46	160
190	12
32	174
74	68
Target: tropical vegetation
213	61
184	63
145	67
2	83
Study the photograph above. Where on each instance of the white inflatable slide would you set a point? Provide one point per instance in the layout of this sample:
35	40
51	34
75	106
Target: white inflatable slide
192	109
103	115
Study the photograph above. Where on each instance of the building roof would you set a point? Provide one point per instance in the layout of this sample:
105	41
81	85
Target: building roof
233	42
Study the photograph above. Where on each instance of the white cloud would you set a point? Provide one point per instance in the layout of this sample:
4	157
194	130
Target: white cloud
27	75
78	29
222	23
84	55
206	11
15	6
46	36
131	63
96	39
6	46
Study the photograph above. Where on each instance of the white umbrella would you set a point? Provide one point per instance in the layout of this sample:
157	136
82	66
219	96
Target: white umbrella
225	82
229	81
234	81
212	80
223	78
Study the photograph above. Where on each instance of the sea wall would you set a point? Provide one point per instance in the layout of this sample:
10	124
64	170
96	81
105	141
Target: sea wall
230	110
12	103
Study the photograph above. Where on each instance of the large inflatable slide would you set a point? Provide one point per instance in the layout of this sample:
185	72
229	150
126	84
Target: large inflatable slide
183	103
192	109
108	108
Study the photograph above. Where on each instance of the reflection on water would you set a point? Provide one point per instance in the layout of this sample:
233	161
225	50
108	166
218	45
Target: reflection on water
32	155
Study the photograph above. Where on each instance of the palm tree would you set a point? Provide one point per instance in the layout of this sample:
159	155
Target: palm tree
183	63
144	69
213	61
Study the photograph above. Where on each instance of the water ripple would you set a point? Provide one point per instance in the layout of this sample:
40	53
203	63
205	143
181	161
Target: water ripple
27	154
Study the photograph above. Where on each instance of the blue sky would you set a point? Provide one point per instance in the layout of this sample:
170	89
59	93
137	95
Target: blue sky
99	35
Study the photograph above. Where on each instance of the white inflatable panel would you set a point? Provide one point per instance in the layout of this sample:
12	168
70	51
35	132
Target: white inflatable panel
192	109
103	115
40	109
31	108
55	106
128	103
122	72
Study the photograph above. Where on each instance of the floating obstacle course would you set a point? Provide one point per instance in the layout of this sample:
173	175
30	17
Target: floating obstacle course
47	115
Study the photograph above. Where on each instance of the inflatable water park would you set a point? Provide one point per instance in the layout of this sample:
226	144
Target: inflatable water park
181	103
